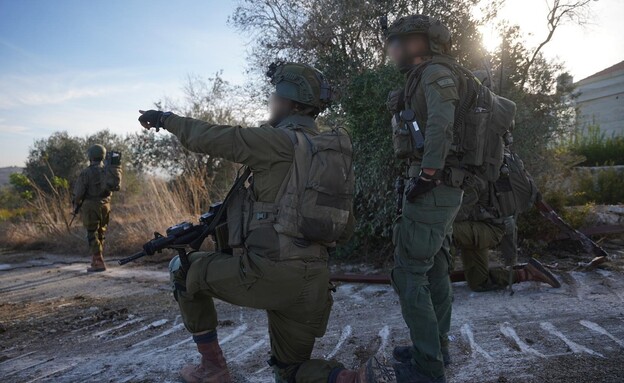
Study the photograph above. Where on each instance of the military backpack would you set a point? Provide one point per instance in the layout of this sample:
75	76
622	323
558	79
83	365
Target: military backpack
316	199
483	122
516	191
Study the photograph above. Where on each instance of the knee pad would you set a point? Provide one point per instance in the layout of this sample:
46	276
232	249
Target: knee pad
175	271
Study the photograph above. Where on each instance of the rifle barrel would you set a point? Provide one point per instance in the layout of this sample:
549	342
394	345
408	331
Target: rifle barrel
131	258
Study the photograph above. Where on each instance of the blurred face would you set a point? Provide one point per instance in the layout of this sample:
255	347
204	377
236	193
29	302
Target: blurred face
279	108
407	50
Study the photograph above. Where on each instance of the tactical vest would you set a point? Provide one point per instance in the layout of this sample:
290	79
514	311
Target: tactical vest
481	130
515	189
311	210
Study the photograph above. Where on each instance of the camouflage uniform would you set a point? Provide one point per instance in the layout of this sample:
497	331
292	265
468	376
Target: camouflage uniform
477	229
422	234
274	272
89	191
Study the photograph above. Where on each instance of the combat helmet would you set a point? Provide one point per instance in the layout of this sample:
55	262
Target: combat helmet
96	152
301	83
439	35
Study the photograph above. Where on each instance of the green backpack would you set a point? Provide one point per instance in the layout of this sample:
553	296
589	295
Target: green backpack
112	172
316	199
482	127
515	189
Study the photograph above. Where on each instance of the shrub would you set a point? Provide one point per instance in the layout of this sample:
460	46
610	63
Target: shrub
596	147
605	187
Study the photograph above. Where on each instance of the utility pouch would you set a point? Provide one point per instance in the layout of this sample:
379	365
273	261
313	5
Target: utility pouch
401	138
221	237
454	177
236	213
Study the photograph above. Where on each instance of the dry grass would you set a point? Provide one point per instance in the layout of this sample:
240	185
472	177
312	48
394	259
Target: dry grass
133	218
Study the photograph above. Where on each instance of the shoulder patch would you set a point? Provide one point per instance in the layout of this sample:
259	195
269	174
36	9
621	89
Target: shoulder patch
445	82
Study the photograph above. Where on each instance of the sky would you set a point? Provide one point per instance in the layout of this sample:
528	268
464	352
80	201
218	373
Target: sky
83	66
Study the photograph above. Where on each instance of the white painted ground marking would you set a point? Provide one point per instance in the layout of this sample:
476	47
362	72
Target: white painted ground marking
384	334
238	331
100	333
575	347
262	370
17	357
510	333
243	354
188	340
47	374
164	333
154	324
344	335
599	329
466	332
38	363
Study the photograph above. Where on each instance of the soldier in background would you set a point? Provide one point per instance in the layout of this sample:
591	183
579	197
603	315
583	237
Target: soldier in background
92	198
480	225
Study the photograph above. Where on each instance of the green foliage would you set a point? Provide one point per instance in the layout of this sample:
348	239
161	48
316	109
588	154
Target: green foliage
57	160
343	37
369	122
606	187
21	185
596	147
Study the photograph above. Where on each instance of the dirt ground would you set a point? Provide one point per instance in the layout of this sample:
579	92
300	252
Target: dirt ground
59	324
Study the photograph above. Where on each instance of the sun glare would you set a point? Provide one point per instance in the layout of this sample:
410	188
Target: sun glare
490	37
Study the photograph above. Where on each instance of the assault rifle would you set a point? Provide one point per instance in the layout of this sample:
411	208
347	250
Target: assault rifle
75	212
183	235
591	247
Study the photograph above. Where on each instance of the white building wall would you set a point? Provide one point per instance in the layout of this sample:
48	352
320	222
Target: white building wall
601	102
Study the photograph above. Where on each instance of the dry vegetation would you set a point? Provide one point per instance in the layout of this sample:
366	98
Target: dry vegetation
134	218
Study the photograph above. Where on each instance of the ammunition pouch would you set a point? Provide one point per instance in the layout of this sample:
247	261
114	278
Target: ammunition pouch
455	177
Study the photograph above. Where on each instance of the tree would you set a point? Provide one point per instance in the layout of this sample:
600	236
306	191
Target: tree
202	177
343	37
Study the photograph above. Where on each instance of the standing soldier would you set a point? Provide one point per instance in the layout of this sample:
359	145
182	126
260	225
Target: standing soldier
423	120
92	198
424	114
279	264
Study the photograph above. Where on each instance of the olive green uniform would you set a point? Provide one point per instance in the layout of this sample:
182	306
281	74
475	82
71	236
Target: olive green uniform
95	210
477	229
422	235
272	273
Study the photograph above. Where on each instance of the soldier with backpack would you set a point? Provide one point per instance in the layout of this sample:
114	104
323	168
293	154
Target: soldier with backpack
92	195
487	219
424	135
297	206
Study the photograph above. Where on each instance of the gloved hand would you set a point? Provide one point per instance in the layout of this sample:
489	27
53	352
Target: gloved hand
153	118
418	186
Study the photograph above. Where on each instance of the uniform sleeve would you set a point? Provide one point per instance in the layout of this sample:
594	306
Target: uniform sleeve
254	147
80	188
441	96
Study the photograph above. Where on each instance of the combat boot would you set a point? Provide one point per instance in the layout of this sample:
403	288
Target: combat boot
409	373
535	271
403	354
373	371
97	264
211	369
